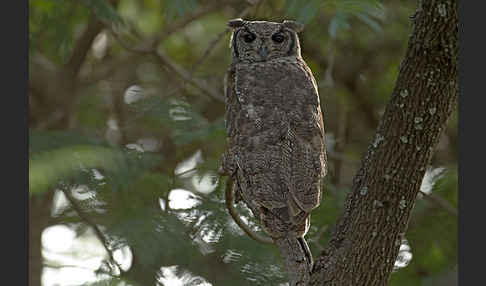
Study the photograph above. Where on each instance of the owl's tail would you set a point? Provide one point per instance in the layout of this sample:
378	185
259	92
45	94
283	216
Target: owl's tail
298	259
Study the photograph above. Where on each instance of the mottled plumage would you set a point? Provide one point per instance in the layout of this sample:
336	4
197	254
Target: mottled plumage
275	134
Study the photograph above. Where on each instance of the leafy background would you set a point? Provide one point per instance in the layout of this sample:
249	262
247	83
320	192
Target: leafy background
126	130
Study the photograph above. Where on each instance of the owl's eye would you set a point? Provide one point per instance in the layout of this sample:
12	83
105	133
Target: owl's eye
249	37
278	38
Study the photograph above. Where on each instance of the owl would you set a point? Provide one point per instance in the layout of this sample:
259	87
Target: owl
276	153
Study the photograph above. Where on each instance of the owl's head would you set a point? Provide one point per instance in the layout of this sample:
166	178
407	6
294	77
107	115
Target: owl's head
260	41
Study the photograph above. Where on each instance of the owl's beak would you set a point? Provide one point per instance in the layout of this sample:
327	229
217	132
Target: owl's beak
263	52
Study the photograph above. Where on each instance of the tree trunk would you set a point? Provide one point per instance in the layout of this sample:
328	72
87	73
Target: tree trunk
365	244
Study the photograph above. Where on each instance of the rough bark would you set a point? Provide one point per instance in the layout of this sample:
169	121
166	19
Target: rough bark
365	244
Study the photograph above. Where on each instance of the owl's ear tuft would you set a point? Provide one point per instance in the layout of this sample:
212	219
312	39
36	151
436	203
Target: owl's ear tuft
236	23
293	25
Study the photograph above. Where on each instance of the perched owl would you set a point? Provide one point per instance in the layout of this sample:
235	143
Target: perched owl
276	154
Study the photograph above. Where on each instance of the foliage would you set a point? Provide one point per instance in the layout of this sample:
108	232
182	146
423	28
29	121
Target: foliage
132	156
103	10
63	18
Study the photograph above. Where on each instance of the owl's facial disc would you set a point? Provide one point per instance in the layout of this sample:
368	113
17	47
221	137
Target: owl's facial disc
260	41
258	46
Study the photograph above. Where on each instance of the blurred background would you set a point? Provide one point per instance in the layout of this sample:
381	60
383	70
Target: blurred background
126	130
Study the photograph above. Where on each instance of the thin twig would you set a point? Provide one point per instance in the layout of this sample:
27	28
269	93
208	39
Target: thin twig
104	71
131	121
145	47
149	44
179	70
149	47
209	49
91	223
184	74
215	41
184	22
186	172
441	202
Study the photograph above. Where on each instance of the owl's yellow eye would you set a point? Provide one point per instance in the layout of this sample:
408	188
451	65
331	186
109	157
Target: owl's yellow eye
249	37
278	38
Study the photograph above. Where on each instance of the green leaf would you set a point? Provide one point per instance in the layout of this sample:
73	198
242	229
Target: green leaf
51	25
291	6
303	13
48	168
103	10
365	10
57	156
178	8
91	113
187	124
42	141
338	22
370	22
309	11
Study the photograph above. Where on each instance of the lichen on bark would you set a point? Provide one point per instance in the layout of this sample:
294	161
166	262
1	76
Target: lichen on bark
363	247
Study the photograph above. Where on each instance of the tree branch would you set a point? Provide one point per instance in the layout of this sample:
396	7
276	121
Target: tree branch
84	43
82	46
164	59
149	47
150	44
366	241
56	85
202	85
184	22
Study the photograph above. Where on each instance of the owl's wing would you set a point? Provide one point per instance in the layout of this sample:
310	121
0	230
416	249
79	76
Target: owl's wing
232	108
232	104
305	140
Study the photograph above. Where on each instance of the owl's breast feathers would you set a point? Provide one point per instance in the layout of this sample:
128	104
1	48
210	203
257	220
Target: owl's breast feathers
276	132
